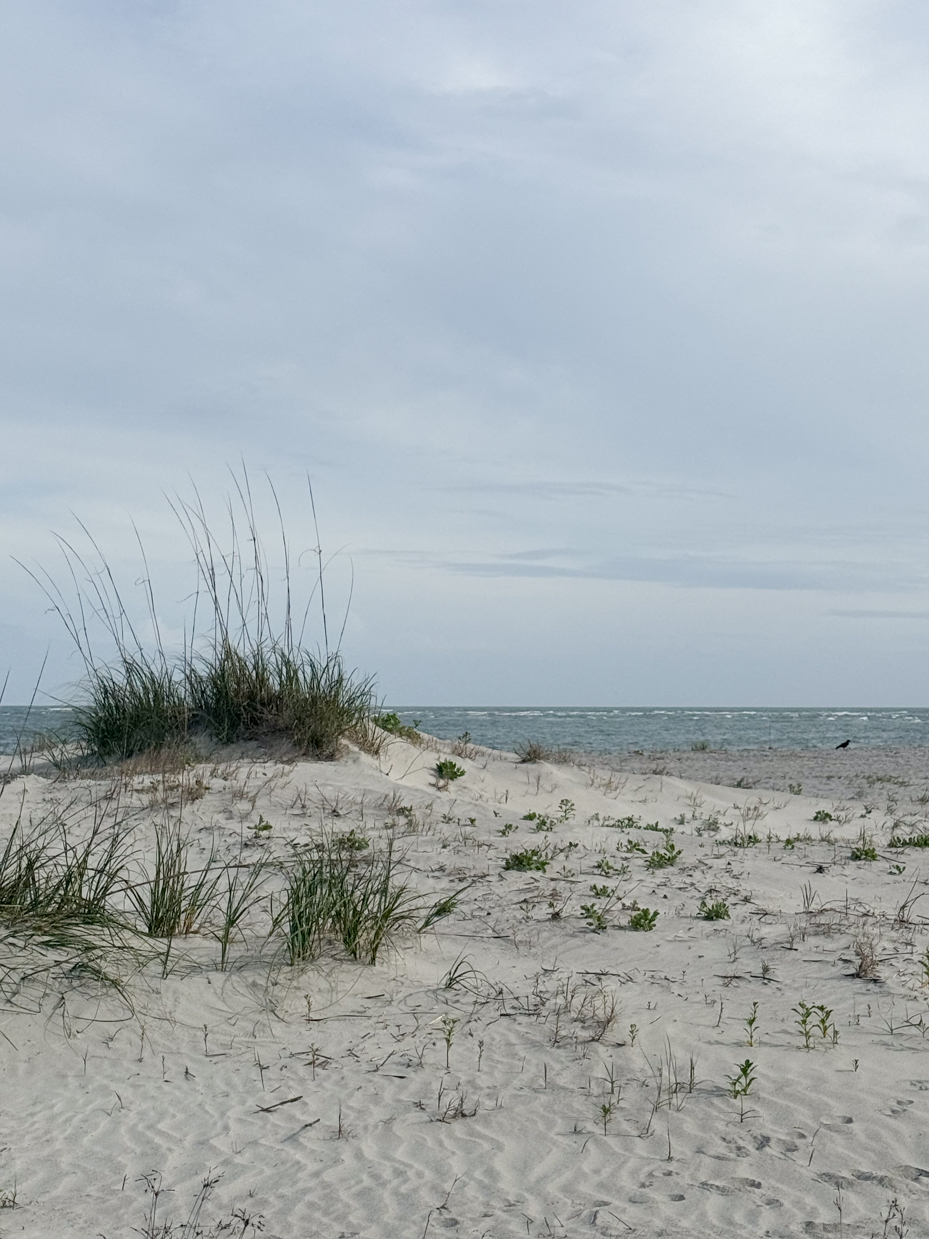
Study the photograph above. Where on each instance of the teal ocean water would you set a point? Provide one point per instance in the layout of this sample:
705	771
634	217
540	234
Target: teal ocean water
606	730
620	730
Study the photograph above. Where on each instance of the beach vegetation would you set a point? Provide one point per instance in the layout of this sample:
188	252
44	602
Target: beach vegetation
741	1084
606	867
910	841
532	751
643	920
247	676
615	823
529	860
394	726
663	858
718	910
864	849
446	771
331	896
823	815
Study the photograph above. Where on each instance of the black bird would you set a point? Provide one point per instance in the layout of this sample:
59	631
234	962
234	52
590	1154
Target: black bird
844	744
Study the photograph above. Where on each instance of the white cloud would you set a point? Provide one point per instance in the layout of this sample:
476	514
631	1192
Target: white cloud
644	282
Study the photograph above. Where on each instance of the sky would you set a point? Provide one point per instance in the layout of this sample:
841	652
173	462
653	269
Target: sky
599	327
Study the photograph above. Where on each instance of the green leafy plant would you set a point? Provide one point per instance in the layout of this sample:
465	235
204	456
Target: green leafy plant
507	829
643	920
393	724
741	1084
663	858
823	815
795	789
635	845
751	1024
716	911
615	823
606	867
864	850
530	859
911	841
595	916
446	771
815	1017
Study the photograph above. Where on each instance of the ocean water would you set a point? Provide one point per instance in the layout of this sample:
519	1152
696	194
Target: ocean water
604	730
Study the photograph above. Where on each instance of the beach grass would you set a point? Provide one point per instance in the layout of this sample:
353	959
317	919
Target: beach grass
245	671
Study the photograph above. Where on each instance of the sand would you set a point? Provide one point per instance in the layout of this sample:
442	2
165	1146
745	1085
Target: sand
513	1071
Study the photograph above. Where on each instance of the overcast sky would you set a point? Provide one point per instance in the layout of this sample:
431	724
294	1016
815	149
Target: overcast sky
600	326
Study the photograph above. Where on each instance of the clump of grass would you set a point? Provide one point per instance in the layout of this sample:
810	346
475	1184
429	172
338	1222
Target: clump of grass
248	676
332	896
172	899
269	691
47	879
135	706
531	751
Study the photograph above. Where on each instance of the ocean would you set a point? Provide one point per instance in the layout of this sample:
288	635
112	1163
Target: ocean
603	729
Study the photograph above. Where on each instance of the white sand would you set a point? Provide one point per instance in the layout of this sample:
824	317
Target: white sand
95	1095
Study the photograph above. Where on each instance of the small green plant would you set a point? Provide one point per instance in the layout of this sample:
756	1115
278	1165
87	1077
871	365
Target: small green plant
566	809
663	858
446	771
261	827
913	841
716	911
606	1113
351	842
643	920
823	815
633	1033
449	1024
615	823
897	869
635	845
507	829
393	724
741	1084
602	892
595	917
751	1025
815	1017
795	789
606	867
864	851
530	859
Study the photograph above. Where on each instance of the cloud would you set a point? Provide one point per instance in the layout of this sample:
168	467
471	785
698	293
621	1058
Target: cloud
645	283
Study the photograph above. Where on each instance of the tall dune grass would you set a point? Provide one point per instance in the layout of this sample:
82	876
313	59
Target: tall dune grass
248	675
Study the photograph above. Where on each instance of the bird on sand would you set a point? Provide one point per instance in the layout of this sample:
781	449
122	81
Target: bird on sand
844	744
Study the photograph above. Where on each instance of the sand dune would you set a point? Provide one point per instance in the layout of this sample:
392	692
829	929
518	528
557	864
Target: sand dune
530	1065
